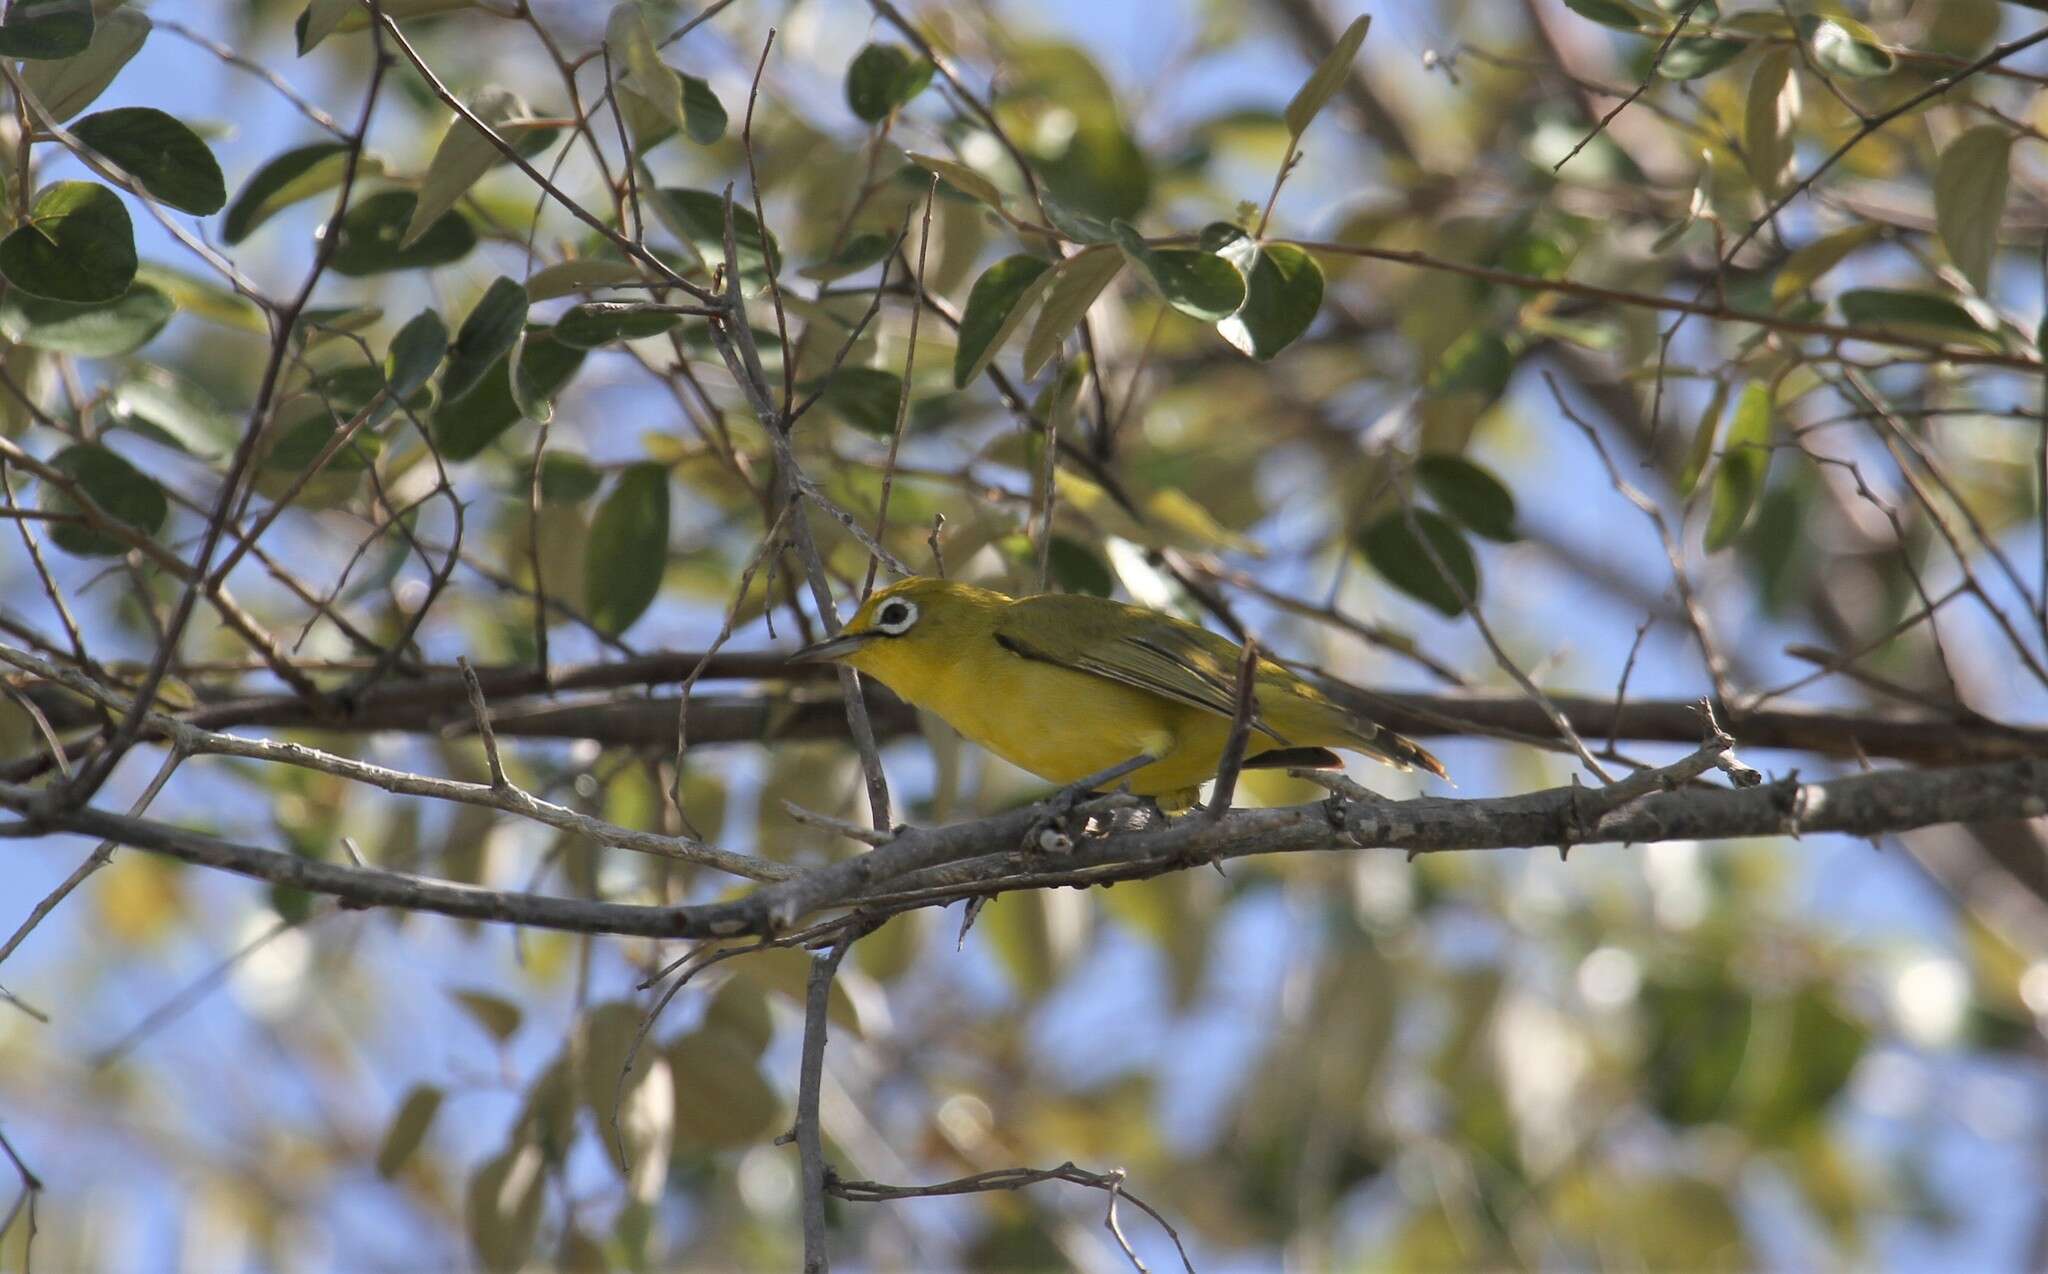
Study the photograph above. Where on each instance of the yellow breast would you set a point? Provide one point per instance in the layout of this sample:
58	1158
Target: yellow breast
1063	725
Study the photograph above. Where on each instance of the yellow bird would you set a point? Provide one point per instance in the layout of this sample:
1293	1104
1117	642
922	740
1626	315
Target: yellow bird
1066	686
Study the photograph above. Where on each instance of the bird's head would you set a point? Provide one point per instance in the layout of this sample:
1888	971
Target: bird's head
911	627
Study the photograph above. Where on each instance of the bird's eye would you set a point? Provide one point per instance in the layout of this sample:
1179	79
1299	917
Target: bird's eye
896	617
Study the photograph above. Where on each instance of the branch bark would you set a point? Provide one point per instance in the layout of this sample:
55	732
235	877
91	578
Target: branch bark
927	866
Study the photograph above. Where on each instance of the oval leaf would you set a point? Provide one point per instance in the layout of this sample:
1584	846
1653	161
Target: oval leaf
1327	78
1470	494
698	218
486	336
463	155
68	86
120	489
46	29
1910	312
960	177
1969	199
372	231
408	1128
1610	13
882	78
1844	46
1768	120
1805	266
1397	554
1081	279
156	149
1745	459
160	404
463	427
109	328
1200	285
1283	291
78	245
596	323
1697	55
416	351
855	255
995	305
628	549
292	176
865	397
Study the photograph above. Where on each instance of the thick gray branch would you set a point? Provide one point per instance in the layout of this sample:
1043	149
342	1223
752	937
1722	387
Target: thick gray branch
926	865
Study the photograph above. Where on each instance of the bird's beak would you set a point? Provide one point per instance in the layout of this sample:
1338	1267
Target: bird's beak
831	648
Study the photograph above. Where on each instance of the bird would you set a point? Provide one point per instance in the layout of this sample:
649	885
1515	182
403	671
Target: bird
1068	685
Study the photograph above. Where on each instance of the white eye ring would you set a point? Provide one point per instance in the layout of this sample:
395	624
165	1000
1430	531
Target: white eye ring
896	617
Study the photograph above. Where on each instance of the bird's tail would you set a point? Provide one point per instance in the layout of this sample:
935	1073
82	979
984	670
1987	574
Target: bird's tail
1400	750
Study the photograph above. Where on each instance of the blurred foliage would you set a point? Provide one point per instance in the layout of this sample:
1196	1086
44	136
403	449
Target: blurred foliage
1148	313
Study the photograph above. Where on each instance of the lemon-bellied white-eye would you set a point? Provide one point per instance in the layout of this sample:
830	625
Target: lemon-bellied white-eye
1066	686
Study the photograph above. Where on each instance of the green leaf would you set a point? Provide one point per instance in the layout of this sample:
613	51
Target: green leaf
1283	290
578	275
102	330
704	118
1327	78
502	1206
1470	494
463	155
698	218
883	78
628	549
1805	266
1703	439
539	367
865	397
596	323
1082	278
1076	568
855	255
416	351
46	29
1908	312
322	18
1695	55
120	489
486	336
371	232
203	298
1844	46
1610	13
1969	199
1200	285
1745	460
68	86
160	404
293	176
463	427
567	478
1479	362
995	305
1769	118
408	1128
1398	555
960	177
498	1016
77	245
161	153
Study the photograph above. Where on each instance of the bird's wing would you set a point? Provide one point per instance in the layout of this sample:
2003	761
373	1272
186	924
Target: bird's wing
1169	658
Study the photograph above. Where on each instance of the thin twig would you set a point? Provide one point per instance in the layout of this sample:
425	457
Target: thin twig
924	238
1240	732
810	1140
